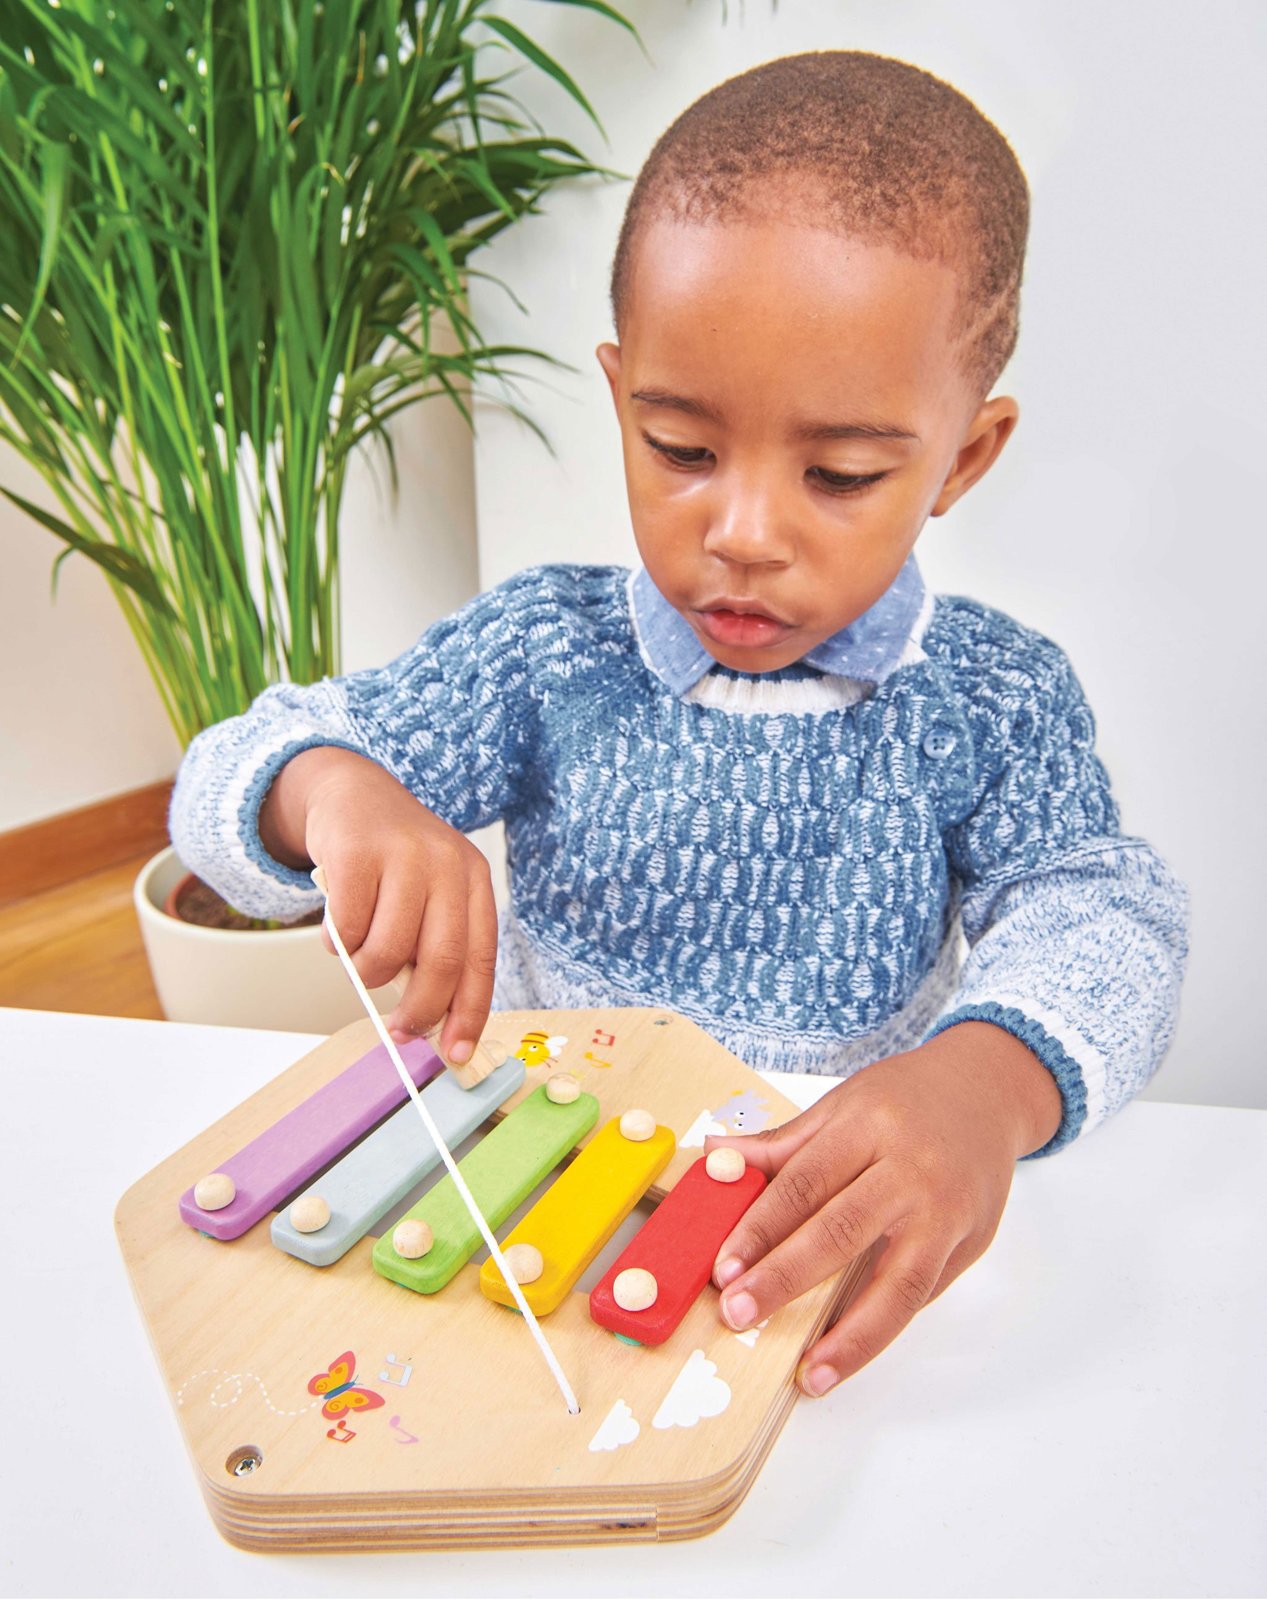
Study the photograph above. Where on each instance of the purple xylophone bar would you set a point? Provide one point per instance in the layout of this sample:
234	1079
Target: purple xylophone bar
286	1156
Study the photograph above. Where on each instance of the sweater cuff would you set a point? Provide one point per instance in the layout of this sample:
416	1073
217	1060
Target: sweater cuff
253	799
1049	1050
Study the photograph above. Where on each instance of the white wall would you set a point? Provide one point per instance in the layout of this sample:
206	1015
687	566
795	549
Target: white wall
80	718
1125	519
406	564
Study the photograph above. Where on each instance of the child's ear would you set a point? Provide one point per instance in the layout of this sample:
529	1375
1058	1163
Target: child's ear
609	359
982	445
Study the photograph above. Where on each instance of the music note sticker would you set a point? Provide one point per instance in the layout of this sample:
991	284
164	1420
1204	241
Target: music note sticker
605	1039
405	1437
403	1371
596	1061
340	1433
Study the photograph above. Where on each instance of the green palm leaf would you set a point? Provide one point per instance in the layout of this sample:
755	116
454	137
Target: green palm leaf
229	226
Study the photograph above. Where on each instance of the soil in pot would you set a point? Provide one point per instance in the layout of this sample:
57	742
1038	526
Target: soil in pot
196	902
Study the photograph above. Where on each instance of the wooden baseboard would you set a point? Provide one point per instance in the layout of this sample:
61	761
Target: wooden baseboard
44	855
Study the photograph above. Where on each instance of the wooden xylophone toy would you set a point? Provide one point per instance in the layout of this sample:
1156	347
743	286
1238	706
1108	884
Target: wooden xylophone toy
341	1388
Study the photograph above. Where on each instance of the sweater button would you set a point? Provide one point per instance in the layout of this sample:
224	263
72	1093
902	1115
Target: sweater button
939	742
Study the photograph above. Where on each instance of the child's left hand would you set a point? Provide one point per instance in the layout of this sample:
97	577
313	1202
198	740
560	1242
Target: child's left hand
917	1149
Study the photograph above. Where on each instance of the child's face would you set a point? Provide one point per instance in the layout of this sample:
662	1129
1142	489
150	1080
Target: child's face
747	527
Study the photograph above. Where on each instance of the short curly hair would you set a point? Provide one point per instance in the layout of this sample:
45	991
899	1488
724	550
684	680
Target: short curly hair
889	153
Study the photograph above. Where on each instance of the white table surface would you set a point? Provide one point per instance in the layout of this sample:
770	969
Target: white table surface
1083	1413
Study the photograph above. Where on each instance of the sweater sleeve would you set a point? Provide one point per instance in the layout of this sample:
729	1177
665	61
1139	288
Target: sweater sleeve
454	719
1077	934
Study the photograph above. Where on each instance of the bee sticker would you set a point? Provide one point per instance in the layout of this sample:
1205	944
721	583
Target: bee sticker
540	1049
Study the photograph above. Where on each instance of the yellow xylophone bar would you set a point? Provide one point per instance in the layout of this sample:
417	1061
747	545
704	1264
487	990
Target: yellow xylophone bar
580	1212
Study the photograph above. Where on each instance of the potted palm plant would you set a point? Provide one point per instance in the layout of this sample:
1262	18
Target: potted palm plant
236	241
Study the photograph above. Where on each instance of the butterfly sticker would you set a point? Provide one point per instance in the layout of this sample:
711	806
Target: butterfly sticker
341	1390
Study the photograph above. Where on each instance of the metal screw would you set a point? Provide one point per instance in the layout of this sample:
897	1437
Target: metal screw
243	1461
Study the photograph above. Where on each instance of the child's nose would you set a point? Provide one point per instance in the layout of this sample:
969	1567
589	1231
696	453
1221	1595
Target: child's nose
748	528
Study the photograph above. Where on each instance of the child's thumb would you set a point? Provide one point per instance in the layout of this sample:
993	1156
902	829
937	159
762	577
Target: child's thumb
769	1149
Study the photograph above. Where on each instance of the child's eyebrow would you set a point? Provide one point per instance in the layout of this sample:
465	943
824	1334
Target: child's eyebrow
802	430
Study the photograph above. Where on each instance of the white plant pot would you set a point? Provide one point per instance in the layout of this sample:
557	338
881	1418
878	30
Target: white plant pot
282	978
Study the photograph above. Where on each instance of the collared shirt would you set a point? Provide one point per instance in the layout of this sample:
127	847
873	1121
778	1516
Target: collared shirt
884	637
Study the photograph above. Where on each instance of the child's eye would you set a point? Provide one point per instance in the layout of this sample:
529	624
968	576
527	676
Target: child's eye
677	453
836	483
847	482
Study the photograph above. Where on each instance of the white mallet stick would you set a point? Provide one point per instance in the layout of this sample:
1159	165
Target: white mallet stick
468	1199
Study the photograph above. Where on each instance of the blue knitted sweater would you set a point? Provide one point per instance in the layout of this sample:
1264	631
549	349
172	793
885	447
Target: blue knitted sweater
787	858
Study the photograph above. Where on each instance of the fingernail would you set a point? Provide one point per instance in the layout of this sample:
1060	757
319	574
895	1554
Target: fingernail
399	1035
819	1379
461	1052
740	1311
727	1271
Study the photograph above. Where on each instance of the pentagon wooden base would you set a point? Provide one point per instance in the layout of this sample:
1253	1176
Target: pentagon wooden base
472	1445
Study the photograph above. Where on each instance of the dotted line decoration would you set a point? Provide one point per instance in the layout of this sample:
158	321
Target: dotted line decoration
238	1380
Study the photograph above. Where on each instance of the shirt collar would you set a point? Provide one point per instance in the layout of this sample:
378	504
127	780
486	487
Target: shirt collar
871	647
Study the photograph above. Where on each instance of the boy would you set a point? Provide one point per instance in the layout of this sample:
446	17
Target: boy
760	779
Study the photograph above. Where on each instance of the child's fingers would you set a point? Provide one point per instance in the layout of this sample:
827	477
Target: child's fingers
441	954
805	1173
960	1259
392	937
770	1149
833	1233
351	893
905	1278
468	1010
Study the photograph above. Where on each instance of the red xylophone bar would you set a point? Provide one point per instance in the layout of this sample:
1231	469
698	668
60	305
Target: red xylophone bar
678	1244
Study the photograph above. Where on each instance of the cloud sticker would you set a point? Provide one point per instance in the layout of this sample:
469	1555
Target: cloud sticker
618	1427
693	1138
697	1393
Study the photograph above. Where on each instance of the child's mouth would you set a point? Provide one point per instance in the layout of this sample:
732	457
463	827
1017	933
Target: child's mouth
742	627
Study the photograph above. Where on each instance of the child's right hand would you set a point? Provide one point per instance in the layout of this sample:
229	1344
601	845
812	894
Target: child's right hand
403	888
